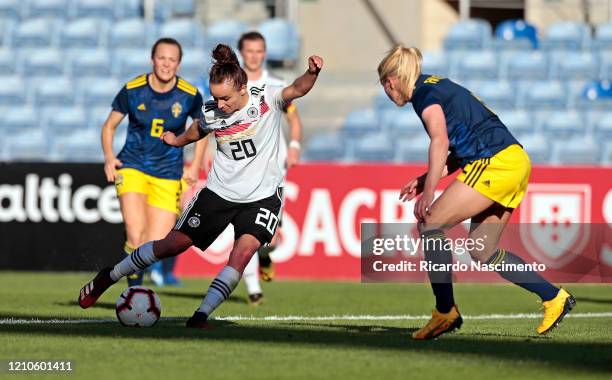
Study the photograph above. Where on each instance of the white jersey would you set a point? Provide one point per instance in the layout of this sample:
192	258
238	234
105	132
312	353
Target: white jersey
270	80
246	167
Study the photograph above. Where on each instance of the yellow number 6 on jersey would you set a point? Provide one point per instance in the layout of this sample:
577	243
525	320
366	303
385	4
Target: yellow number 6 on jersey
157	127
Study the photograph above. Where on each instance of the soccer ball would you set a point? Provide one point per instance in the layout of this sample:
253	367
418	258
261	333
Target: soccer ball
138	306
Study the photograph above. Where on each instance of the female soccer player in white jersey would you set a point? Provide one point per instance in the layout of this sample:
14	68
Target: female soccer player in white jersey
244	186
491	185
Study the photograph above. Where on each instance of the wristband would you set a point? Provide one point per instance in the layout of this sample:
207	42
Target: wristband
295	144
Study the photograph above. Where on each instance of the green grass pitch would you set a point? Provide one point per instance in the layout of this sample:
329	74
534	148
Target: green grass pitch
346	345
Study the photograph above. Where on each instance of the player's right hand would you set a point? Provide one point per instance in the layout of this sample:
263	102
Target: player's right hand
110	168
410	190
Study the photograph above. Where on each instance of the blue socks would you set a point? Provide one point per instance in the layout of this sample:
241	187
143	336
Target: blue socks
441	281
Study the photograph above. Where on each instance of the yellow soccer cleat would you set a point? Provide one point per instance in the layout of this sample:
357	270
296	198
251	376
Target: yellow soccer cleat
266	273
439	324
555	310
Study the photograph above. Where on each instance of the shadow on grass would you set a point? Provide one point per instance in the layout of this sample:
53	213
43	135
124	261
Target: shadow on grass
98	305
601	301
197	296
586	356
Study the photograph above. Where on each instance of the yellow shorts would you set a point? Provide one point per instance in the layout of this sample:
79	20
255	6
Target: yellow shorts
161	193
502	178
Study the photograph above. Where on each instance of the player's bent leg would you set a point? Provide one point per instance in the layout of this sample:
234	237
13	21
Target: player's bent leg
133	209
266	266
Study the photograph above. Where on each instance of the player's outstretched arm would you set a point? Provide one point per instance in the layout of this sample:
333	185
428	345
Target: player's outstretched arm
192	134
303	84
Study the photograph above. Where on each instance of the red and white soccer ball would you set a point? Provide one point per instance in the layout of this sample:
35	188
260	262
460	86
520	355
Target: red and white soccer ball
138	306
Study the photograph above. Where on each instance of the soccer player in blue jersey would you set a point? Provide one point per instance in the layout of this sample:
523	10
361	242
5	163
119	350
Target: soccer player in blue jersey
147	173
495	171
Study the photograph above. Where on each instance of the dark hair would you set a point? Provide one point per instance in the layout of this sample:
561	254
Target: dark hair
251	36
226	67
169	41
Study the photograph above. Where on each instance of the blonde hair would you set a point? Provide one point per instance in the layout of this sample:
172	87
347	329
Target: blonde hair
405	63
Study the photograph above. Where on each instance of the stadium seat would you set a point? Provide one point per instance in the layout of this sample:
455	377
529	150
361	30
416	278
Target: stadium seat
282	40
568	66
6	32
106	9
603	126
98	92
567	35
515	34
34	33
64	120
52	91
84	33
48	8
477	65
603	37
605	60
596	95
132	62
13	91
78	146
562	125
97	116
359	123
382	101
536	146
435	63
28	145
19	118
188	32
524	65
414	149
90	63
44	62
472	34
606	154
132	33
578	151
224	31
546	95
401	121
375	147
131	8
519	122
497	95
195	65
8	64
11	9
329	146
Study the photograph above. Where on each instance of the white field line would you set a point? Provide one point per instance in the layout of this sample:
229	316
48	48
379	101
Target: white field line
305	318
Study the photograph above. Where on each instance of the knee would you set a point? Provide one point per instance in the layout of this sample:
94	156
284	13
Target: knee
173	244
481	255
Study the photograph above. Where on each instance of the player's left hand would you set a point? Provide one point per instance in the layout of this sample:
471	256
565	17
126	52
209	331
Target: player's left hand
168	138
293	157
315	64
423	205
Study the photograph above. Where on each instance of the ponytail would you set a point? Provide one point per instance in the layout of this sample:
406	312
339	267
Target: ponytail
226	67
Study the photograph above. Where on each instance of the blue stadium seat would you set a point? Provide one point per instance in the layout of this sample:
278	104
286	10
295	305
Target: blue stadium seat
401	121
11	9
13	91
183	8
90	63
195	65
574	66
519	122
596	95
48	8
359	123
469	34
52	91
547	95
28	145
524	65
64	120
106	9
99	92
435	63
6	31
77	146
8	64
282	40
19	118
562	125
132	33
329	146
578	151
98	115
603	127
35	33
567	35
414	149
131	8
497	95
477	65
377	147
224	31
606	154
84	33
603	37
131	63
516	34
188	32
605	60
382	101
44	62
536	146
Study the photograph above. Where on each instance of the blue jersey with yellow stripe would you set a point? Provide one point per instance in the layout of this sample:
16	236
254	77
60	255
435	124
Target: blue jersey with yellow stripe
474	131
150	114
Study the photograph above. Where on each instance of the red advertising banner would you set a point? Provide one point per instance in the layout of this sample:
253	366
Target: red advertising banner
325	205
